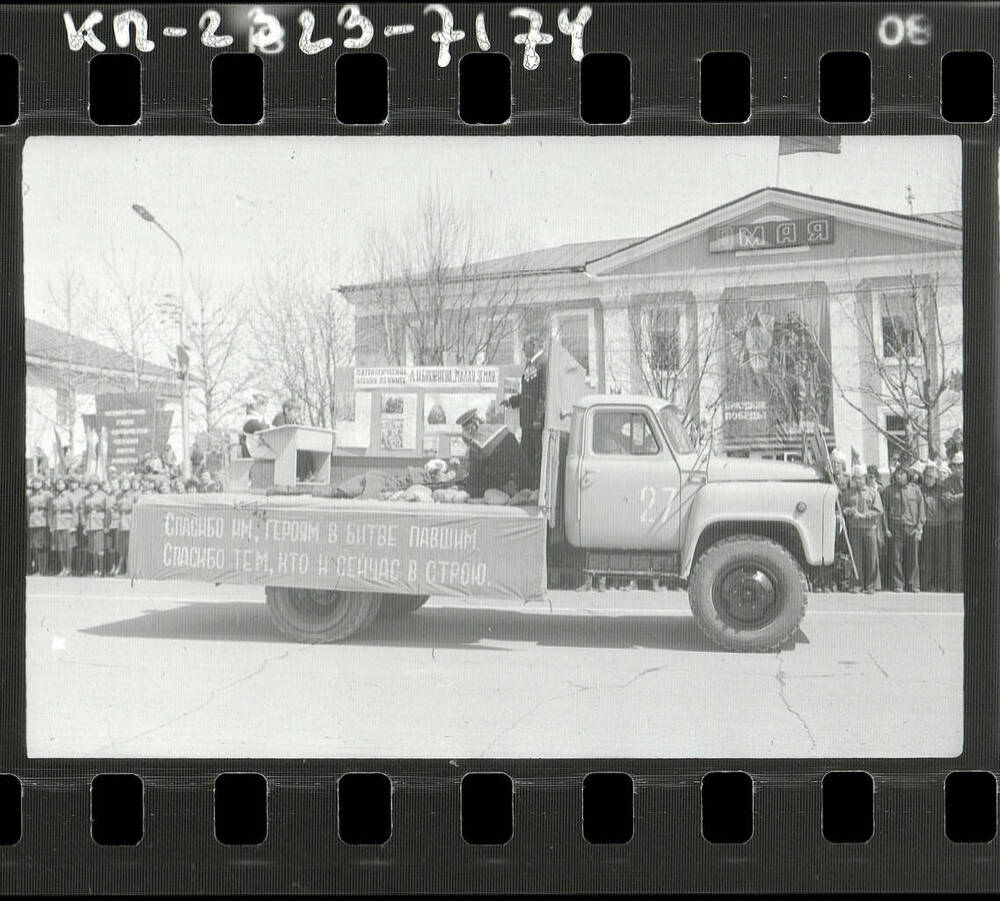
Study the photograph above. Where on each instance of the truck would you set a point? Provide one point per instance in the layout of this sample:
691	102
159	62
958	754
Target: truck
624	493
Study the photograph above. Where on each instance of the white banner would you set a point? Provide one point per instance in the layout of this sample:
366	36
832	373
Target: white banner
483	378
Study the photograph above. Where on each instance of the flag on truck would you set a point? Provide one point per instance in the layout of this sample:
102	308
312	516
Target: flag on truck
566	384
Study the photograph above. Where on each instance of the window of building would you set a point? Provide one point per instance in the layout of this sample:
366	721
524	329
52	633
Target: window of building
897	437
899	325
623	433
664	340
898	338
534	321
65	405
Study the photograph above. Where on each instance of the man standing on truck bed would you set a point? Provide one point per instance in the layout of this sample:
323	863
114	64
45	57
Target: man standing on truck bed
255	422
530	404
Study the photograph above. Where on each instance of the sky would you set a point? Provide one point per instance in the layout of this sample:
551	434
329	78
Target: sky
237	203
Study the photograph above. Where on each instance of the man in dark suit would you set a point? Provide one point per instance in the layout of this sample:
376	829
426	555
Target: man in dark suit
530	404
255	423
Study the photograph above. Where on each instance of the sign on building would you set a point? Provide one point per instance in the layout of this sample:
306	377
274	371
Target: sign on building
776	370
770	235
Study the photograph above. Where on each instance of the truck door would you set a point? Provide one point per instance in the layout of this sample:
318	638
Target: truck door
629	483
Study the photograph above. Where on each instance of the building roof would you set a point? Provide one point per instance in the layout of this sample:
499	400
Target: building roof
950	218
561	258
46	343
576	257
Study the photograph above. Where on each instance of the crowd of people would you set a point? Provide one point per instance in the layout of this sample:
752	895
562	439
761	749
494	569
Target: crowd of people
902	536
80	524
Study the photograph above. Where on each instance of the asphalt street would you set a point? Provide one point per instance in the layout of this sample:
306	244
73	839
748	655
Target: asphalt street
154	669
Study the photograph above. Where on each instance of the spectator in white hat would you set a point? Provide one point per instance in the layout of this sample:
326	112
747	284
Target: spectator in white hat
933	546
863	512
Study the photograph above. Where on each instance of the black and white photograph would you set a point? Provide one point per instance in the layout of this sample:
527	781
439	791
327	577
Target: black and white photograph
493	447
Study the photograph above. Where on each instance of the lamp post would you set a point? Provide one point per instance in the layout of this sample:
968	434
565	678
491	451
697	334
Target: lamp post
147	216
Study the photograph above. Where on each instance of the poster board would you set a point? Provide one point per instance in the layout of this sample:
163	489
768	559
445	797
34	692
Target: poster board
409	412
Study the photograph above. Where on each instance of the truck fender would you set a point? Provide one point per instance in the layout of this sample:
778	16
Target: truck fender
706	512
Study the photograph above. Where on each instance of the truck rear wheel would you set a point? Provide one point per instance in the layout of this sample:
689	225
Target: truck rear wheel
747	593
394	605
320	616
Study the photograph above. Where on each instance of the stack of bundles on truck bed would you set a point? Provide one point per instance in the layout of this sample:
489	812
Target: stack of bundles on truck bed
435	482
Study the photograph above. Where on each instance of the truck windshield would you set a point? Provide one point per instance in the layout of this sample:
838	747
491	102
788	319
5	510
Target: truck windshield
677	435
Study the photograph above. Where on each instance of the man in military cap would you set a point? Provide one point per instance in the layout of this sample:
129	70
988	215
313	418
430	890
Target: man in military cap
493	456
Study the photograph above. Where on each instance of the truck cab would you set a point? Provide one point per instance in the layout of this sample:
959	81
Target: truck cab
639	499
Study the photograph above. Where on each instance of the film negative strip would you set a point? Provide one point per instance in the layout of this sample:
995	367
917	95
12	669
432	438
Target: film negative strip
428	423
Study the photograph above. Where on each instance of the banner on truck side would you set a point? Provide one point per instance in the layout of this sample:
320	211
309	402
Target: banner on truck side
352	545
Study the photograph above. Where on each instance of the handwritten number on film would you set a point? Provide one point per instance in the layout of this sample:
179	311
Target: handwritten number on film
267	34
893	30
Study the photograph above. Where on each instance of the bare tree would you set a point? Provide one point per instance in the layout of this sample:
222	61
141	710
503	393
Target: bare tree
217	334
124	313
435	302
301	332
65	294
912	366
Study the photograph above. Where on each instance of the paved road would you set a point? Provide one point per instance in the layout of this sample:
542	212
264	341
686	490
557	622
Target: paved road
176	669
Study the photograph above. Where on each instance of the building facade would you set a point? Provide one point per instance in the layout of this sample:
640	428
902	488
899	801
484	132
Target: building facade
64	374
772	311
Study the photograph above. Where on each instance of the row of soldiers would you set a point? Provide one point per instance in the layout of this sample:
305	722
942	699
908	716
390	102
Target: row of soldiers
904	536
81	525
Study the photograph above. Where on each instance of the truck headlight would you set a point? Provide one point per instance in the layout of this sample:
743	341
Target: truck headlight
800	507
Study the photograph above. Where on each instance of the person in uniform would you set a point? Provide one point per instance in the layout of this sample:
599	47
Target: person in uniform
954	505
112	495
64	517
863	512
494	457
95	515
905	515
78	550
126	505
934	545
39	498
530	404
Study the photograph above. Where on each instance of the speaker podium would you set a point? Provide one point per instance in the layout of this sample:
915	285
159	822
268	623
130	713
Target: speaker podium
299	454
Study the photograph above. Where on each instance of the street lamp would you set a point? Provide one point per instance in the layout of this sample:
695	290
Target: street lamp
147	216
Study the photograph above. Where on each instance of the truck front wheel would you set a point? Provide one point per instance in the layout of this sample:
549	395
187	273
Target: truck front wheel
320	616
747	593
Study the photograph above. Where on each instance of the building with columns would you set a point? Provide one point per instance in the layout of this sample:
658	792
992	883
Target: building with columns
775	309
